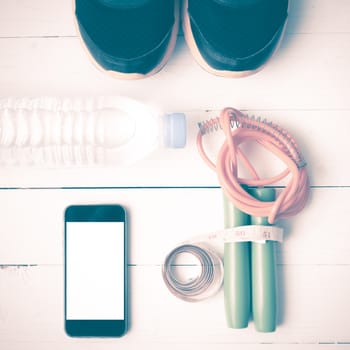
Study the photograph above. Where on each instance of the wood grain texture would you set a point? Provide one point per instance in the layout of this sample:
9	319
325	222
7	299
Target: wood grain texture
172	195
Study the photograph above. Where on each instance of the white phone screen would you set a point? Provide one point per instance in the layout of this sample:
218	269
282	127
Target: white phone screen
95	270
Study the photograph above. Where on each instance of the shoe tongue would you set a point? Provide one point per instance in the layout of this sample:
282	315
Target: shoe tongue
123	4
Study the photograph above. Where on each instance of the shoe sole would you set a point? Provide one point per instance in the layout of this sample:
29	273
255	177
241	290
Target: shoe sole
135	76
191	43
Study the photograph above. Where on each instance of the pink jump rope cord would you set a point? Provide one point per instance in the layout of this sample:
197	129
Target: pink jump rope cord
291	199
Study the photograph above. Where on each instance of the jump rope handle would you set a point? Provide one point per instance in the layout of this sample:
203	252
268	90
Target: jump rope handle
237	282
250	271
263	259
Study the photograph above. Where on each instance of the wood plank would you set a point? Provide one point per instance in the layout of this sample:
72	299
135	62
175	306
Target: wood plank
322	137
40	18
307	67
31	227
313	308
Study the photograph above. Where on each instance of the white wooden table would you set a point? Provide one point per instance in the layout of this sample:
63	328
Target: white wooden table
172	195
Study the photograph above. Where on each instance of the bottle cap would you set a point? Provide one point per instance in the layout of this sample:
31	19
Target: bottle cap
174	130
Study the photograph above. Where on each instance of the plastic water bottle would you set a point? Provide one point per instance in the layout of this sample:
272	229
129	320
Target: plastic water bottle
102	131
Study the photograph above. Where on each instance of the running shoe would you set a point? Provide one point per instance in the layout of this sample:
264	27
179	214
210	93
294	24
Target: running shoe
129	39
234	38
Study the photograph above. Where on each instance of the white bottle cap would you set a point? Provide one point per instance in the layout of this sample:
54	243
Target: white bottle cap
174	125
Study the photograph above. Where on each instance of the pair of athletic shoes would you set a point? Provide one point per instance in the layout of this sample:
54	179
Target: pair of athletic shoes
132	39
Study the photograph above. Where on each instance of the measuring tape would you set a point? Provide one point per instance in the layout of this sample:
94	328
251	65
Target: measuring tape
211	275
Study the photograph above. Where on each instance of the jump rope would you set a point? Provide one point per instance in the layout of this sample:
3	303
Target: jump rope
250	210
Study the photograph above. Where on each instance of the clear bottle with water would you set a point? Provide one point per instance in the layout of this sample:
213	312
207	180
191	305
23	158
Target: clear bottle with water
77	132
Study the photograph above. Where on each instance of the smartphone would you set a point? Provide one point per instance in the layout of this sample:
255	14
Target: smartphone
95	269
